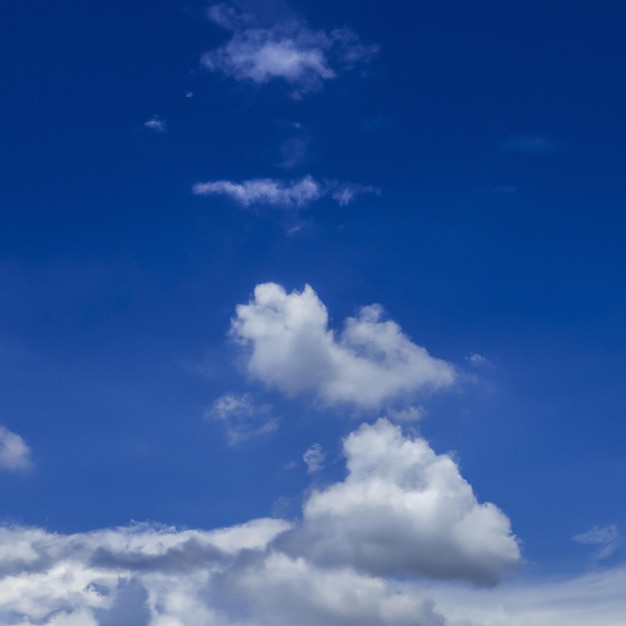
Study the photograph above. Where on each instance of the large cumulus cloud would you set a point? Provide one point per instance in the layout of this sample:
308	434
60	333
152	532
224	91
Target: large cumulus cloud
292	348
404	510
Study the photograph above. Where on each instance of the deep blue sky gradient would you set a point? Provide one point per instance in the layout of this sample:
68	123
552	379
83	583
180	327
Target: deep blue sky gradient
496	134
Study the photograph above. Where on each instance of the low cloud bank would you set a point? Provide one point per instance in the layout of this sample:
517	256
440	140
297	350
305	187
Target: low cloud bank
271	572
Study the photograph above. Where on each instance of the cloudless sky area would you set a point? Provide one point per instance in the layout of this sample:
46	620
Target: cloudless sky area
460	164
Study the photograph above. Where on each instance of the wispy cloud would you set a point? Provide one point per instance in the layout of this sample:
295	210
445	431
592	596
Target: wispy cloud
407	415
242	417
292	348
607	539
288	50
15	455
156	124
294	194
293	151
314	458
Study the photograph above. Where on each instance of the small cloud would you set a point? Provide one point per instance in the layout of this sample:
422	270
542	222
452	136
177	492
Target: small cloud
241	417
314	458
156	124
606	537
288	195
286	49
527	144
294	194
189	94
477	360
345	193
410	414
14	453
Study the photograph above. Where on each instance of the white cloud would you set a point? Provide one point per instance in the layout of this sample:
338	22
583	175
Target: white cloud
288	195
295	194
291	348
314	458
404	510
242	418
287	49
153	576
344	194
284	591
607	537
477	360
579	600
14	453
398	495
156	124
141	575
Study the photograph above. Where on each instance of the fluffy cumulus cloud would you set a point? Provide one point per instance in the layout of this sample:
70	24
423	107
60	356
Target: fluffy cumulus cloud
242	417
287	49
290	347
404	510
14	452
294	194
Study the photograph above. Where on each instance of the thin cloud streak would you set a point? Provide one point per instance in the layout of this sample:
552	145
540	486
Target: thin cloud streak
242	417
280	194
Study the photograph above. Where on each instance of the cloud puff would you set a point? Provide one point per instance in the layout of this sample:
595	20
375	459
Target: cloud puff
477	360
295	194
14	453
242	418
344	194
156	124
288	50
314	458
291	348
404	510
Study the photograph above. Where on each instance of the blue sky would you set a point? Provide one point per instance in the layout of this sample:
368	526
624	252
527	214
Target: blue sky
312	313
